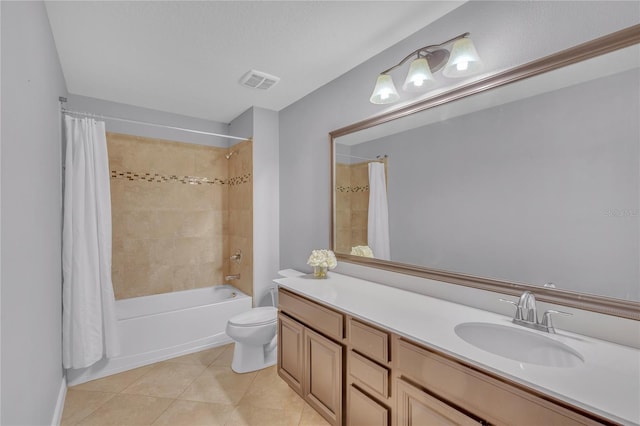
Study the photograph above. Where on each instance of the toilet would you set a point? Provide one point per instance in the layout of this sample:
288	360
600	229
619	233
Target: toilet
256	340
255	334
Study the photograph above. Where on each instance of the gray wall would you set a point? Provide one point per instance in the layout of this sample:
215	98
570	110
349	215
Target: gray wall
130	112
31	217
505	33
526	191
263	125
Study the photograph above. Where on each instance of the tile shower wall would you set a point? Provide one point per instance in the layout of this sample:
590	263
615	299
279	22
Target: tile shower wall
240	215
170	214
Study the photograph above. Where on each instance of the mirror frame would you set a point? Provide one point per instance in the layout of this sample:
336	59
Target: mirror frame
601	304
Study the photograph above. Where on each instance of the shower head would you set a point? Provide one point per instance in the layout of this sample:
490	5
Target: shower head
227	156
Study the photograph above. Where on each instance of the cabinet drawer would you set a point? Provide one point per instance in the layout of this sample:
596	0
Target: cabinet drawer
488	398
369	375
369	341
364	411
329	322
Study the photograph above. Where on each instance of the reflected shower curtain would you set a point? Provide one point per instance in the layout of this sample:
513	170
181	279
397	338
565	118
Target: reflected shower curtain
88	318
378	224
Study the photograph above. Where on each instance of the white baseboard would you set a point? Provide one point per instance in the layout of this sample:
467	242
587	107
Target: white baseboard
62	394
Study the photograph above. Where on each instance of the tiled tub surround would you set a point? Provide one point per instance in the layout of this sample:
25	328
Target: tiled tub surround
175	214
240	214
607	383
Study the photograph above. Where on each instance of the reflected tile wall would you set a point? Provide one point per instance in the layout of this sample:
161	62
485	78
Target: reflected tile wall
352	205
170	212
343	208
359	204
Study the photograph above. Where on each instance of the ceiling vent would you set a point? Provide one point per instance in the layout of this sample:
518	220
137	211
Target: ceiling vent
259	80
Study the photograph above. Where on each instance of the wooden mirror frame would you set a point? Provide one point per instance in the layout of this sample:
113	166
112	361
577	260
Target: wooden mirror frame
601	304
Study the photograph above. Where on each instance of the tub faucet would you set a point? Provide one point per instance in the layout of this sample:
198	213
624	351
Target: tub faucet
232	277
527	314
237	256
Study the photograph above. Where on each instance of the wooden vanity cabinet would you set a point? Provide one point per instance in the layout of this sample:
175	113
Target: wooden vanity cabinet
310	353
363	375
439	385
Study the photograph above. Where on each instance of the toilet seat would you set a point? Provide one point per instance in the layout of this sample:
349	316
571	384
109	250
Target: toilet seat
254	317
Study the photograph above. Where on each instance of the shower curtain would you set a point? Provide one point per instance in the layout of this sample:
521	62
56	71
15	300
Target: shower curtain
88	319
378	223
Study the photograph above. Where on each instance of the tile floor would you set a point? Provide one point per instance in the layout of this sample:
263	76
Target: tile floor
191	390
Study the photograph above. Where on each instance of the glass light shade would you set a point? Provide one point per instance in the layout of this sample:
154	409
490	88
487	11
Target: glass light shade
419	76
384	92
464	59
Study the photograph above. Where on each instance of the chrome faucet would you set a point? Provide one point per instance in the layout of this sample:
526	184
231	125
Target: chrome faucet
232	277
527	314
237	256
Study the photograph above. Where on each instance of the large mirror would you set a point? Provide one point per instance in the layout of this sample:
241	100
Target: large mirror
529	179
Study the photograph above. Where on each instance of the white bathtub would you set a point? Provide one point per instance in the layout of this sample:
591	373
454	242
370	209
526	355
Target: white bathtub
158	327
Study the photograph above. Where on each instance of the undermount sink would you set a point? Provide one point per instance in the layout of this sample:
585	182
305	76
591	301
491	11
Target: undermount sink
518	345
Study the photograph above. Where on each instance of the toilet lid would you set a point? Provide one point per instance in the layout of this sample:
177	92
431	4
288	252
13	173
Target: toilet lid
256	316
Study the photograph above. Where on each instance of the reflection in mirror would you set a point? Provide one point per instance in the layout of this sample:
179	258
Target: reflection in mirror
535	182
362	220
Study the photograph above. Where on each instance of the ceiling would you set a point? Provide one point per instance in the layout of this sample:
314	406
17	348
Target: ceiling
187	57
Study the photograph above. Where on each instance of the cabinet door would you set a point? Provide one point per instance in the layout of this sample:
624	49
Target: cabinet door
416	408
323	376
291	352
364	411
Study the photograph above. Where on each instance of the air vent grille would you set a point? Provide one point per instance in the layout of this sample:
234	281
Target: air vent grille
259	80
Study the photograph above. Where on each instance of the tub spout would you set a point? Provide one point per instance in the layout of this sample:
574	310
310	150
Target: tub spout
232	277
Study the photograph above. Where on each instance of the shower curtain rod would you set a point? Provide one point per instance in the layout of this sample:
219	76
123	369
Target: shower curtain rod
378	157
164	126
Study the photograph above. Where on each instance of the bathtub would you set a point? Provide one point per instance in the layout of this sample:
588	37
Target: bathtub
162	326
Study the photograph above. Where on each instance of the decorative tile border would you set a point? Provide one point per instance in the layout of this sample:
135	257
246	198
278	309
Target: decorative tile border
363	188
237	180
191	180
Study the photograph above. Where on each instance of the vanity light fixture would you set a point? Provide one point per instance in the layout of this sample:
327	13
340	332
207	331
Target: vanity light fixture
462	60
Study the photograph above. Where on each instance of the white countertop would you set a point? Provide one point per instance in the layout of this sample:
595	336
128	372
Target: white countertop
607	383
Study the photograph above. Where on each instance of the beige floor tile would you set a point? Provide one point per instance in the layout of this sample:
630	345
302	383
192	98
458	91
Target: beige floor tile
204	358
268	390
224	360
248	415
165	380
114	383
219	384
310	417
78	404
192	413
128	410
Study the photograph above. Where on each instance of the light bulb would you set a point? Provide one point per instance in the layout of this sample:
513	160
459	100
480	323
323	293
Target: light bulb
418	77
464	59
385	92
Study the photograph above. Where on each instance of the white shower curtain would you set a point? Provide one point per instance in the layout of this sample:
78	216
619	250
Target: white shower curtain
378	224
88	319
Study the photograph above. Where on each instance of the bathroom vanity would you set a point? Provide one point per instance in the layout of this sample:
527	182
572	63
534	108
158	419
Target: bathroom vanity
362	353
